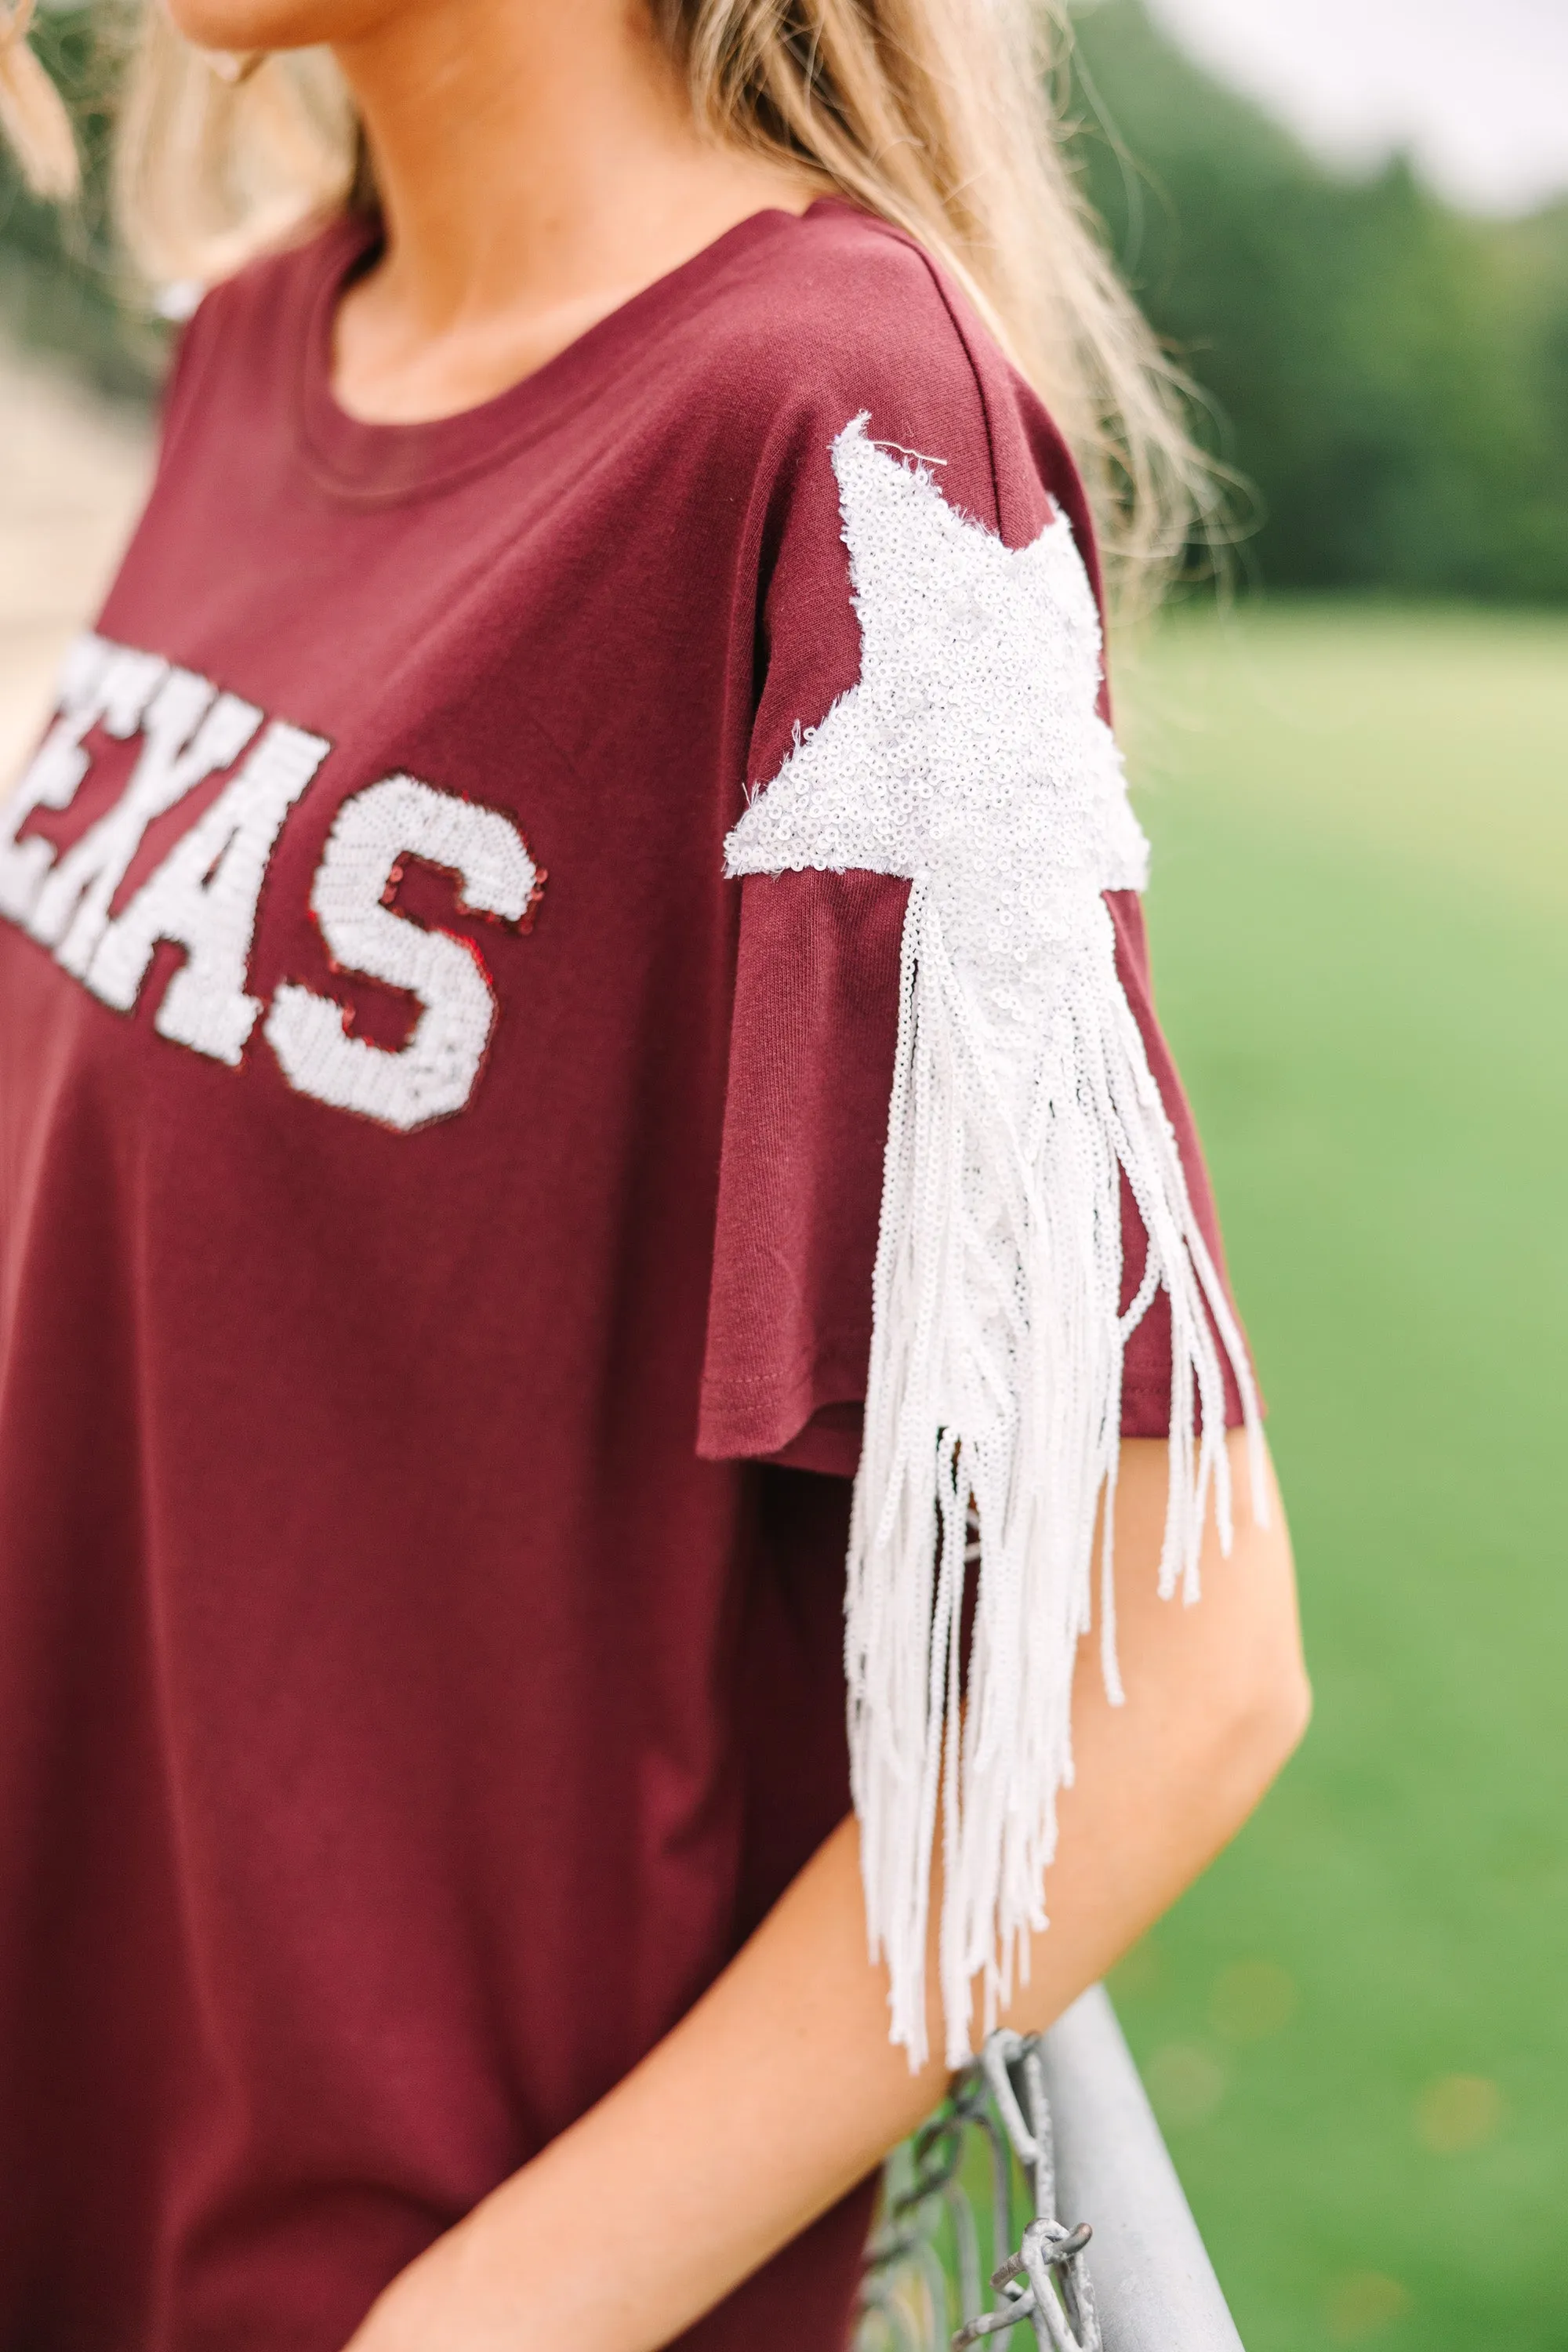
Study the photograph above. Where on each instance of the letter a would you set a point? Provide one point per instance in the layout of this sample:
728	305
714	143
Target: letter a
204	897
186	736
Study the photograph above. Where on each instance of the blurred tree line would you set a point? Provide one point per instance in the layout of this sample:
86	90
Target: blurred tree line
1389	374
62	285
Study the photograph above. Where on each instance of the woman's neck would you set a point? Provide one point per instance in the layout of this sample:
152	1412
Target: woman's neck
537	165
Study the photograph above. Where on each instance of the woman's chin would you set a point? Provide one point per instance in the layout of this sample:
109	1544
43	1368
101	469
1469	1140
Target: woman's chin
240	26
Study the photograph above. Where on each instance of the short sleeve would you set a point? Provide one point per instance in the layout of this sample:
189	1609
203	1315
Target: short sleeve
1146	1367
800	1186
816	986
816	983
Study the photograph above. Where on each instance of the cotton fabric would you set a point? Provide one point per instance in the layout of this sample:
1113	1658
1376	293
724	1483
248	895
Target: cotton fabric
423	1545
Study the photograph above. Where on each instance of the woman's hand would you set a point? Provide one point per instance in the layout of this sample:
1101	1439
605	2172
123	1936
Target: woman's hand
667	2194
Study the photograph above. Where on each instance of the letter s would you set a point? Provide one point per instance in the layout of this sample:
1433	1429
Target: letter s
433	1074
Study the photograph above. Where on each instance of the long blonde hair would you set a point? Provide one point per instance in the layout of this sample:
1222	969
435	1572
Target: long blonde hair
940	115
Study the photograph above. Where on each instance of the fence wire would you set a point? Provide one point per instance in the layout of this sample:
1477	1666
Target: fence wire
990	2148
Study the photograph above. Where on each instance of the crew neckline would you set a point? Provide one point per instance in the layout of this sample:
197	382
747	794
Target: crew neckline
386	462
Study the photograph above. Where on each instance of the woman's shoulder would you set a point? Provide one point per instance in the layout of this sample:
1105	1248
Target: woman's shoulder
844	276
836	314
837	305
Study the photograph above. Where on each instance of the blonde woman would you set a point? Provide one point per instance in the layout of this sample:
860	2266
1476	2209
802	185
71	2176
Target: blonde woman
575	1054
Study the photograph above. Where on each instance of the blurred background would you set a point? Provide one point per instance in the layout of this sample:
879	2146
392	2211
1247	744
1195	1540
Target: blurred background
1349	218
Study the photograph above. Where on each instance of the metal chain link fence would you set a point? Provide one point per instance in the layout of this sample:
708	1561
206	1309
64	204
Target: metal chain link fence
997	2123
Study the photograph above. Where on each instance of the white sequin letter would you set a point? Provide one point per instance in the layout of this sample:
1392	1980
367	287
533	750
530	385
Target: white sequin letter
188	733
433	1074
204	897
103	686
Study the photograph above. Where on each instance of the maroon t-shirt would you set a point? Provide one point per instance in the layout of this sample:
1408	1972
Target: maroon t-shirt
436	1216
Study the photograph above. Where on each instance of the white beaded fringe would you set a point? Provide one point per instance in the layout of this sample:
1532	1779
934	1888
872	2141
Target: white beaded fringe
995	1382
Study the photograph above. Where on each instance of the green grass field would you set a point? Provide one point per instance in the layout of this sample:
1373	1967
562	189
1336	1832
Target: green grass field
1356	2027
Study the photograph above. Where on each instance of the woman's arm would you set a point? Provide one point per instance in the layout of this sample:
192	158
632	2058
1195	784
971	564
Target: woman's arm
780	2089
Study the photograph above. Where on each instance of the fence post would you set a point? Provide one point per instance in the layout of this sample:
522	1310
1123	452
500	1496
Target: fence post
1154	2282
